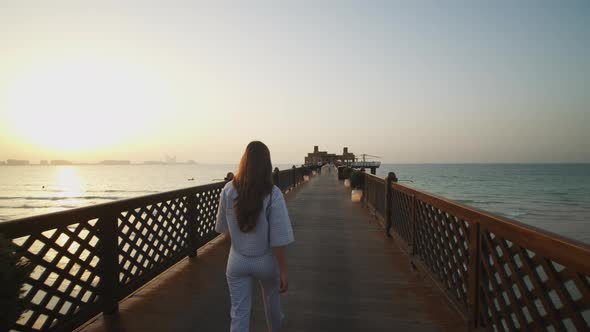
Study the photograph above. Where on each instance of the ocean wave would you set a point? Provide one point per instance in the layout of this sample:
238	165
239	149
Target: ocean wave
29	206
476	201
123	191
54	198
515	214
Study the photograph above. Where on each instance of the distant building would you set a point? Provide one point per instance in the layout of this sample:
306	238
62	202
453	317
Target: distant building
152	162
191	162
323	157
170	160
44	162
115	162
61	162
14	162
2	162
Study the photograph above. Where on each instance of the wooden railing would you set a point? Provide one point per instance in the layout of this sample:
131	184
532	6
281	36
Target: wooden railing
289	178
88	259
501	274
374	194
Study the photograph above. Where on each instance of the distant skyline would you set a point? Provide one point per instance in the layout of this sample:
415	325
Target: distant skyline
415	82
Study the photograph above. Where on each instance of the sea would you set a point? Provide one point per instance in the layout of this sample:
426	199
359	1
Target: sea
555	197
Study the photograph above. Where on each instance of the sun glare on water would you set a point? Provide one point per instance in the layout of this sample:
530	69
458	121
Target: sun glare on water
79	106
68	182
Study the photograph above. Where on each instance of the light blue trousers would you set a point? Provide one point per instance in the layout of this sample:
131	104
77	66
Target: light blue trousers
241	273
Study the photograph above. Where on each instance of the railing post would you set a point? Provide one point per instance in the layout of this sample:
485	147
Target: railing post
275	177
414	225
191	223
293	176
388	181
365	191
109	260
301	173
473	273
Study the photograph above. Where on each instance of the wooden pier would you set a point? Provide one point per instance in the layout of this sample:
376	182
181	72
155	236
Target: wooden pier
154	263
345	275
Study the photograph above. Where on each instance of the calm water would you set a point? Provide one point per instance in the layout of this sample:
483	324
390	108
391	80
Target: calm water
32	190
554	197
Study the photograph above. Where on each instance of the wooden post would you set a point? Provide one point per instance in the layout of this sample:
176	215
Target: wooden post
473	273
365	189
293	176
109	259
388	193
414	225
275	177
191	222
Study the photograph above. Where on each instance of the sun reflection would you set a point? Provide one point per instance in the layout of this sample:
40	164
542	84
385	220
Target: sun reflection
69	182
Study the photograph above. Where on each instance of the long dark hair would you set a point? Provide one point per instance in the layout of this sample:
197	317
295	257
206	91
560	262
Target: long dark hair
253	183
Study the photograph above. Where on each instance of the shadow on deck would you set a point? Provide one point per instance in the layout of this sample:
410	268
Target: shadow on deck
345	275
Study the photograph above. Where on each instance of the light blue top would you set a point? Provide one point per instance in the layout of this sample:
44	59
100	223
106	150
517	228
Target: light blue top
273	227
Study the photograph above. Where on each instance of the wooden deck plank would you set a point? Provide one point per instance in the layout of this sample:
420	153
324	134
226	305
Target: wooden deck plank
345	275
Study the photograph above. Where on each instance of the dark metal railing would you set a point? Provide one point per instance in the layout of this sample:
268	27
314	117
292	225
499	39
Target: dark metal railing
88	259
501	274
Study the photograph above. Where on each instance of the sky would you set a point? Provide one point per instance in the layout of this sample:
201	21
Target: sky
412	82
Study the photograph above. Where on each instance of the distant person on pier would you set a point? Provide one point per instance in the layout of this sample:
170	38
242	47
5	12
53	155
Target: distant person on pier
252	211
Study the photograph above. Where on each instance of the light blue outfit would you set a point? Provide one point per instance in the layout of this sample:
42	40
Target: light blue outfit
251	257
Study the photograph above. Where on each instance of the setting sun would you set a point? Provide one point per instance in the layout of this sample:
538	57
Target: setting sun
82	105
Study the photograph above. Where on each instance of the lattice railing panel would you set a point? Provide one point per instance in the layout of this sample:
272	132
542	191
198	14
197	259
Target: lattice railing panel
521	290
401	213
64	284
525	279
285	180
442	242
298	175
150	239
205	212
375	191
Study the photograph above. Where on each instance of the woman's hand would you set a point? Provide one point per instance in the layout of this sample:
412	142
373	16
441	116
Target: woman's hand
284	282
282	262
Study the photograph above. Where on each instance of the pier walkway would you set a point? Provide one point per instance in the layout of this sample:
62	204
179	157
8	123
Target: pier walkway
345	275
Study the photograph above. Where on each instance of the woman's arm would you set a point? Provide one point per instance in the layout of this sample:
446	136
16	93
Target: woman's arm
221	220
282	261
281	234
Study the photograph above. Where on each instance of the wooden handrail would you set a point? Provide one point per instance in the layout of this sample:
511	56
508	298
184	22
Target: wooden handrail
375	178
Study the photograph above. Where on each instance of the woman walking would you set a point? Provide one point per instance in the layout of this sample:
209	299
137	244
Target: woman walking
253	212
